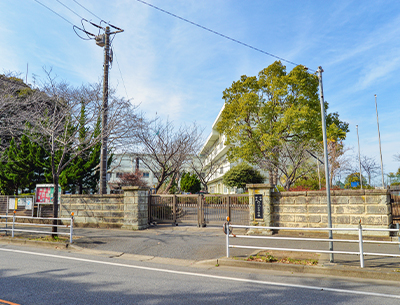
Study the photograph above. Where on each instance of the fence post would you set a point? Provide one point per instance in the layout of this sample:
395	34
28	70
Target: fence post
398	233
228	207
13	225
360	240
149	220
227	237
174	210
71	228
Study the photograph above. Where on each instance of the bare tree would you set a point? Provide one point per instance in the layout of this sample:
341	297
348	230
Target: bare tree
13	99
165	150
53	121
293	163
205	166
370	166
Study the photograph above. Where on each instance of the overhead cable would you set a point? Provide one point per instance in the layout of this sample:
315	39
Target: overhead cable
219	34
55	12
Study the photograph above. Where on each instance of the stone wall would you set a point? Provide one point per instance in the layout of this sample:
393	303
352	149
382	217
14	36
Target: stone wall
103	211
348	208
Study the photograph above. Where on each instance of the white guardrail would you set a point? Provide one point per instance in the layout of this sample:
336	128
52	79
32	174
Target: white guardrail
228	228
14	223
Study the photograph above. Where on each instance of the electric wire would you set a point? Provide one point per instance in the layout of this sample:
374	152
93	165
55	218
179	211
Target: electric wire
101	20
123	83
73	25
54	12
111	41
219	34
82	19
70	9
87	10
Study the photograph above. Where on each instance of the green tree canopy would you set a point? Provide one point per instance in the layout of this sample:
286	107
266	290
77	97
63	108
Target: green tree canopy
190	183
274	119
240	175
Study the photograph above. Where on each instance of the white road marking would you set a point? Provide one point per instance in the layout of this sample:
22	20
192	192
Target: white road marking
206	275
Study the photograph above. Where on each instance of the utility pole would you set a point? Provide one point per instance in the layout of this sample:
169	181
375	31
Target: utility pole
328	189
104	138
104	41
359	156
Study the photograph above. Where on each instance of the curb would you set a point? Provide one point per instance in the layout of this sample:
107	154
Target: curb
330	270
27	242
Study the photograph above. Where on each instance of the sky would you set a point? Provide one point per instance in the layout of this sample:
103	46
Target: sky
178	71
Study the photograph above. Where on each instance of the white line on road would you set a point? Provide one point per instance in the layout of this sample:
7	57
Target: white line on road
207	275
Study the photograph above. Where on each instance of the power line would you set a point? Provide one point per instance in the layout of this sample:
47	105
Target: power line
69	9
88	10
55	12
101	20
219	34
126	92
73	25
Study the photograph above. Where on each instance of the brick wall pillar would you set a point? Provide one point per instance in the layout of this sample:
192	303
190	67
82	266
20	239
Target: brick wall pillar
263	192
135	207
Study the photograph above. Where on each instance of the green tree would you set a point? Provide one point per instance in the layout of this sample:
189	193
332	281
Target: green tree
355	177
190	183
23	166
240	175
273	119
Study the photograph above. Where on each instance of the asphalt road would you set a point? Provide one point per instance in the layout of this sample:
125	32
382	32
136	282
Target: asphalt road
47	276
192	243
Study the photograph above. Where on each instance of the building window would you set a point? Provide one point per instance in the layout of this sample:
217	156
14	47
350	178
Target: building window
119	175
221	170
146	175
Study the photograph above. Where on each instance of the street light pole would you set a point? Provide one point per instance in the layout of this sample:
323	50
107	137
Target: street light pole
328	189
379	137
359	157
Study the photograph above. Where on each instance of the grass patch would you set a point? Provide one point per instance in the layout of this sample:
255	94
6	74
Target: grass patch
269	258
57	239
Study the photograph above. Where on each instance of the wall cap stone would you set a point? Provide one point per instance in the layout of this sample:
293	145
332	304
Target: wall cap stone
259	185
134	188
92	196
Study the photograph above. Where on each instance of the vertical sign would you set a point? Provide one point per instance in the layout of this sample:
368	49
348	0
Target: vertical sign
11	204
258	202
28	205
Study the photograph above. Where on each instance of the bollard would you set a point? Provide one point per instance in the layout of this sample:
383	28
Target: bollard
13	225
71	228
360	239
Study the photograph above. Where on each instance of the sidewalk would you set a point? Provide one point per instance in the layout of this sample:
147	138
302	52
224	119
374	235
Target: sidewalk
207	246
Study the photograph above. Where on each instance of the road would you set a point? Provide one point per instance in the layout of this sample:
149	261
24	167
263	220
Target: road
47	276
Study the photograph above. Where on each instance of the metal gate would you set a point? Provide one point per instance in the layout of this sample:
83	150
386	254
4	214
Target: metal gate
201	210
395	201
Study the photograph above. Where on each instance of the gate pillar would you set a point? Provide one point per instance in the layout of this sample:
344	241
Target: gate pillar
135	207
260	207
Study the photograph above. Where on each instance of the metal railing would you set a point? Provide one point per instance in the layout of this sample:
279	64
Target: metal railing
228	228
14	223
